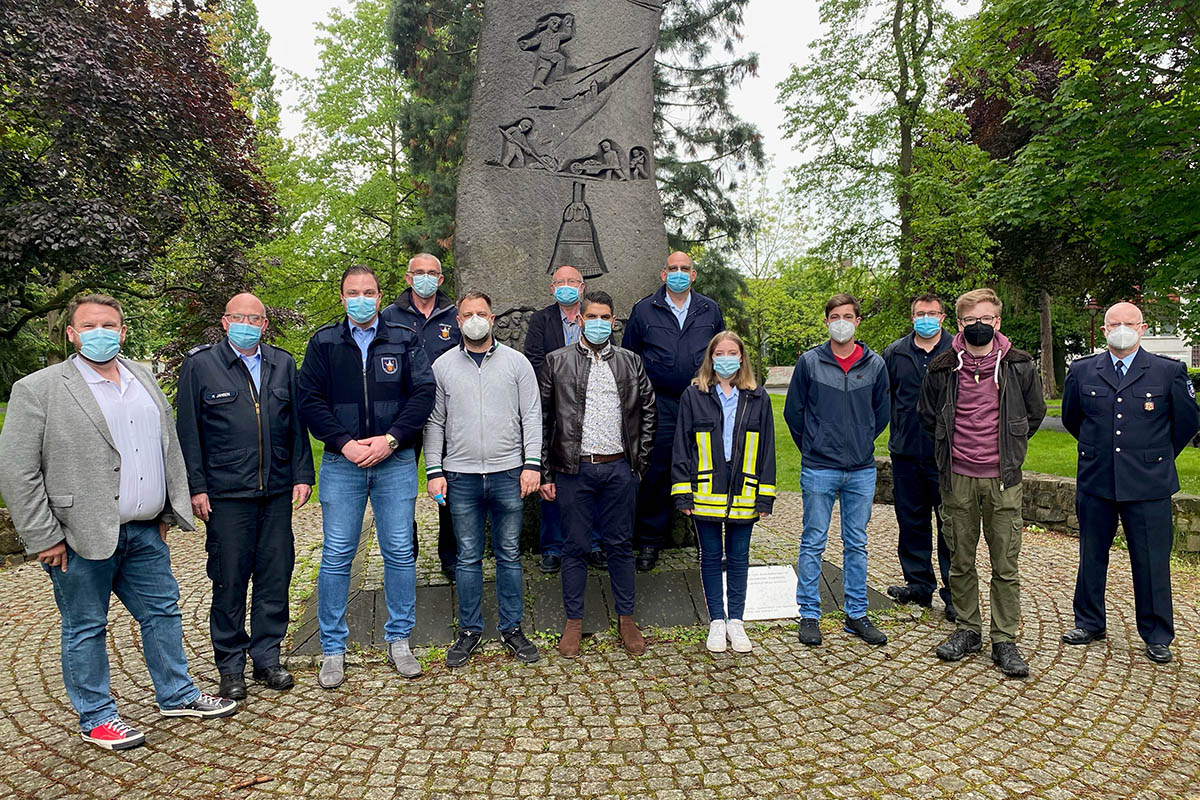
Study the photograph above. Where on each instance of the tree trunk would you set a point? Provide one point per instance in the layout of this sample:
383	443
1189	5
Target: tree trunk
55	332
1049	386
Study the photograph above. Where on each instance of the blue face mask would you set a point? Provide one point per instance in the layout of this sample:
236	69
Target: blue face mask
244	335
567	295
361	309
597	331
727	366
425	285
99	345
679	281
926	327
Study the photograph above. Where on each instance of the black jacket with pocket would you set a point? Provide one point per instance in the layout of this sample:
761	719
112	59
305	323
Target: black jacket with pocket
239	441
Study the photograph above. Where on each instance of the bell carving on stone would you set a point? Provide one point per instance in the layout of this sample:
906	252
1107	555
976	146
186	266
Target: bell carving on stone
577	245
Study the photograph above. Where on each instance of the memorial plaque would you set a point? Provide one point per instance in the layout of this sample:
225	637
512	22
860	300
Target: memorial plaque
559	165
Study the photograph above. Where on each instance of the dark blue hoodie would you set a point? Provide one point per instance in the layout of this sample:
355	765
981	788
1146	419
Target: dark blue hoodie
834	416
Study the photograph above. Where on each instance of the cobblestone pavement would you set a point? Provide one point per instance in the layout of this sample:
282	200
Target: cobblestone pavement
844	720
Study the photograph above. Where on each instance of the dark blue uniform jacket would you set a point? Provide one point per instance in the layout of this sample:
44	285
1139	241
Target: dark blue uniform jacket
905	374
671	355
438	332
1129	431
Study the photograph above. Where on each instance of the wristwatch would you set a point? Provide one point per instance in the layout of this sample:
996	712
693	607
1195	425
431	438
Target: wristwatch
391	440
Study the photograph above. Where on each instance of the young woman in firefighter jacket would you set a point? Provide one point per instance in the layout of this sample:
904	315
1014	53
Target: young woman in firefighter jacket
723	476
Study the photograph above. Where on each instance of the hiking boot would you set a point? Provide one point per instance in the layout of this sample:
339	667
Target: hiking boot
519	645
631	637
809	632
961	642
1007	657
863	629
464	644
568	645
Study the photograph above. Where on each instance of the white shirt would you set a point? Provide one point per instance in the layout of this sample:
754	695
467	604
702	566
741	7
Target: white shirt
136	427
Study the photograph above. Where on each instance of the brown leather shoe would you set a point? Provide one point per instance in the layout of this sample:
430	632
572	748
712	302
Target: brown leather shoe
631	637
568	645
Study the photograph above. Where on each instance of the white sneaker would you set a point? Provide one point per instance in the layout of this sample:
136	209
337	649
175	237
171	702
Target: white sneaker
738	640
716	636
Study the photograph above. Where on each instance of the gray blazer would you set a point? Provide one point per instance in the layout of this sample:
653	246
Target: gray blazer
59	467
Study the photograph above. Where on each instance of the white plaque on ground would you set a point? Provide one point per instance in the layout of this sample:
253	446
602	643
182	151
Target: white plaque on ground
771	593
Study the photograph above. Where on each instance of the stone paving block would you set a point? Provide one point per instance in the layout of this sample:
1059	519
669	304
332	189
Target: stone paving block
546	609
664	599
436	616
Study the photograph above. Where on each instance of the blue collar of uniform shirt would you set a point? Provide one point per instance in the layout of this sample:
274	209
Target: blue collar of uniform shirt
680	312
1127	359
255	356
371	329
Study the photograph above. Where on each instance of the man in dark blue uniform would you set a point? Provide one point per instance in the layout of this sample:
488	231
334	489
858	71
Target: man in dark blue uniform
914	470
430	312
248	463
1133	412
670	330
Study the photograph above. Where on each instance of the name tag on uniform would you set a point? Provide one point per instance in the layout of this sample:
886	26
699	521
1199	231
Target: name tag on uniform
389	365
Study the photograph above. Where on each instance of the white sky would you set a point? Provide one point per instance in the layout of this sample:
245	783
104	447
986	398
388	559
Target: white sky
778	30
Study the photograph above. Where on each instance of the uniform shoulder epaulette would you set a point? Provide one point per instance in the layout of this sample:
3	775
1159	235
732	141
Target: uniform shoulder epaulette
1086	357
198	348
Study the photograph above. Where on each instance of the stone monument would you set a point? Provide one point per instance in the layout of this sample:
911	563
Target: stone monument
559	164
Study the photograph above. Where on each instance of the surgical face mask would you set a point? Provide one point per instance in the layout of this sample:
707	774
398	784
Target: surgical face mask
597	331
926	327
99	345
727	366
361	309
978	334
567	295
244	335
841	330
476	328
425	285
679	281
1122	337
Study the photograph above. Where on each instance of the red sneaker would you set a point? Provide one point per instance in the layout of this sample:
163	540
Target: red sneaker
115	735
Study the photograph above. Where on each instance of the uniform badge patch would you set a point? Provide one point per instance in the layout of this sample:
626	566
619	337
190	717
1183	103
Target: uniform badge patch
389	365
1191	389
444	332
1149	406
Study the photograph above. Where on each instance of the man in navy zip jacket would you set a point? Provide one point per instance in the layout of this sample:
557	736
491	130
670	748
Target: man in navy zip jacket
670	330
836	405
914	471
366	390
430	312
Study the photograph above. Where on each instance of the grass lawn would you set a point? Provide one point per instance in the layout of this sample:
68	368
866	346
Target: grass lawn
1051	452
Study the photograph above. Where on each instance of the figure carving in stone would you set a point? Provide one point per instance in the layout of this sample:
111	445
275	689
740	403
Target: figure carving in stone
547	39
605	165
516	149
639	167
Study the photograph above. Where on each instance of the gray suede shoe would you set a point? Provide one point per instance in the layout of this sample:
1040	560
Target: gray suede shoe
400	654
333	671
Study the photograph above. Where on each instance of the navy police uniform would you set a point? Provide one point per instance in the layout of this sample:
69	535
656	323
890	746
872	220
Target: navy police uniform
439	334
245	447
671	355
1130	430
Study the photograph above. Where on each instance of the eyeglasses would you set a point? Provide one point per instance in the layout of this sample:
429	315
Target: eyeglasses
253	319
930	314
567	282
434	272
986	320
678	269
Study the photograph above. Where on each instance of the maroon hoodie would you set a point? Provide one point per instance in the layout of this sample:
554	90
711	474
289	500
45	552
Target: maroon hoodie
975	448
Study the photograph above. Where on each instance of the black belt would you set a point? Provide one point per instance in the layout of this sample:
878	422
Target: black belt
601	459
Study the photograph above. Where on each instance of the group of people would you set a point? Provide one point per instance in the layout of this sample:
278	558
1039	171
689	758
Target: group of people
95	468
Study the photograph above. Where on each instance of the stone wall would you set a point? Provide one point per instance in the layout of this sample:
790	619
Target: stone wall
1049	501
11	551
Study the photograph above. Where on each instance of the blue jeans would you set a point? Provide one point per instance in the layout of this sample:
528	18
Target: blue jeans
343	491
139	573
552	534
736	541
474	499
820	487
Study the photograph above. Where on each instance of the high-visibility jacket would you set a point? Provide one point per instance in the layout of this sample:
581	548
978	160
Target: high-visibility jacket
701	480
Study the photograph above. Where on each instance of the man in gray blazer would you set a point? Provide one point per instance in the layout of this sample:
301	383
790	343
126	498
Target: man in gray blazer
92	472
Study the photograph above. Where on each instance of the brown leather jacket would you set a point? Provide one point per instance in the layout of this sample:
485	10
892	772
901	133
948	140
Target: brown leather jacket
564	379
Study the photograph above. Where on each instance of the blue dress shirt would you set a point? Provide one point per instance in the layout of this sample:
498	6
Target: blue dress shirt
1127	360
729	411
253	363
364	336
680	313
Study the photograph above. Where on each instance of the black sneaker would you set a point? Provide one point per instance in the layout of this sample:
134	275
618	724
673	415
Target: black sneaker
460	652
525	650
206	705
863	629
961	642
809	632
1007	657
910	594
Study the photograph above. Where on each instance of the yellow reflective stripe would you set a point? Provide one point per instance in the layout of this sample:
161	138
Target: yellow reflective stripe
701	511
750	457
743	513
681	488
767	490
705	497
704	448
